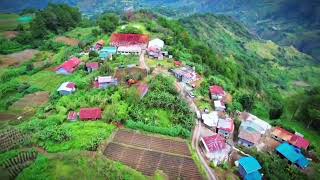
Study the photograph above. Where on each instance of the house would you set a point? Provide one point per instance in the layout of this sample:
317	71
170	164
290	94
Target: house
107	53
281	135
293	155
215	148
185	74
210	120
249	168
248	139
129	40
253	123
67	88
154	52
296	140
100	44
225	127
177	63
103	82
92	66
299	142
142	89
156	43
129	50
219	105
216	92
69	66
90	114
72	116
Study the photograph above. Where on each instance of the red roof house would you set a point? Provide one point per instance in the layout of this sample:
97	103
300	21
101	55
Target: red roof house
299	142
92	66
129	39
214	143
225	127
177	63
90	113
248	138
216	92
69	66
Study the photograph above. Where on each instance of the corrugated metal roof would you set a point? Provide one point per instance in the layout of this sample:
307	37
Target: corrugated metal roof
249	164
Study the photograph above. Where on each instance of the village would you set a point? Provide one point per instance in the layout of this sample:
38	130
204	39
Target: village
218	137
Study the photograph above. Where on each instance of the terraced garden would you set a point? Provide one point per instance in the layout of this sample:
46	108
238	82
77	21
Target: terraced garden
149	154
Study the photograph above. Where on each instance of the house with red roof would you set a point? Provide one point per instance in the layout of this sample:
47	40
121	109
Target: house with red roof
69	66
93	66
67	88
296	140
86	114
216	92
100	44
225	127
185	74
215	148
129	40
299	142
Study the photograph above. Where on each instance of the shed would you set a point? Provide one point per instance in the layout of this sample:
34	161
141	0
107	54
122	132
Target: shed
100	44
103	82
67	88
72	116
249	168
293	155
90	114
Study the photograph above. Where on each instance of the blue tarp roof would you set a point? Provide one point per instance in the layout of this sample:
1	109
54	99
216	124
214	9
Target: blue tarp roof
249	164
292	154
109	50
253	176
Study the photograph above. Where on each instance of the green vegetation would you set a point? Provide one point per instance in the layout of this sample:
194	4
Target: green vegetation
108	22
123	60
8	22
78	165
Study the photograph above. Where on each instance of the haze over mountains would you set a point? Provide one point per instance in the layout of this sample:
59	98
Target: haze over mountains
287	22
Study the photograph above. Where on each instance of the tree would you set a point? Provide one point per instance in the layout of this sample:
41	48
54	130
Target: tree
130	30
108	22
247	101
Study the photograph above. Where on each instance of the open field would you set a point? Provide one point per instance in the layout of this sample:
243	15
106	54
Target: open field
45	80
67	41
8	22
15	59
10	34
31	100
148	154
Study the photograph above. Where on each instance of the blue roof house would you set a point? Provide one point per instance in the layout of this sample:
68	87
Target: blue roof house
249	168
107	52
293	155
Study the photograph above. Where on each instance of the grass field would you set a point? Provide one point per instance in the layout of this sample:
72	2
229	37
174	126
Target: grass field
78	165
80	33
83	134
8	22
45	80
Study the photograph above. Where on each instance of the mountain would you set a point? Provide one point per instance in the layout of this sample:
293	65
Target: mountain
286	22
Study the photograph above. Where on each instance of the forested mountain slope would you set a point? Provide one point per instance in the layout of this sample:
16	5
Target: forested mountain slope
273	70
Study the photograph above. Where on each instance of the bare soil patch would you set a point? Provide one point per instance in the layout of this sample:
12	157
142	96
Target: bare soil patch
300	84
16	59
149	154
31	101
132	73
10	34
67	41
7	116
